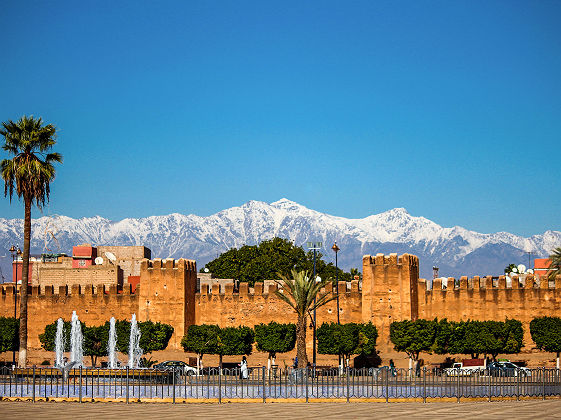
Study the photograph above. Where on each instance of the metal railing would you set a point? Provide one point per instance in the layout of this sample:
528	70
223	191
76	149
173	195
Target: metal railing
304	384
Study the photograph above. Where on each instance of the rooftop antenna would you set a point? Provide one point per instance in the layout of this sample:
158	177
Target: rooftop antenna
529	256
434	272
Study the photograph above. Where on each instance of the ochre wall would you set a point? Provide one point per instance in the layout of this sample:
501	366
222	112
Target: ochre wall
251	307
477	299
46	305
167	294
391	291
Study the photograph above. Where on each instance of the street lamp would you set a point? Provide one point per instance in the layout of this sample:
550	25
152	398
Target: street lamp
314	246
335	249
16	252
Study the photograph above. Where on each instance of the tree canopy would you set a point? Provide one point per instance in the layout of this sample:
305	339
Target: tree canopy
275	338
252	263
347	339
546	333
154	336
9	334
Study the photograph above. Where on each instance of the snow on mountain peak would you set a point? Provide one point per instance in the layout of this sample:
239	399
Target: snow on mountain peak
454	250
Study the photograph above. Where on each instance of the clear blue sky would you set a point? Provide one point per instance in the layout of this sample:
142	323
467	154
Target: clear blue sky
451	109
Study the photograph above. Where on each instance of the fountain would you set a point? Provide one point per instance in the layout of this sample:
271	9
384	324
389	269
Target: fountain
76	342
135	352
112	345
59	344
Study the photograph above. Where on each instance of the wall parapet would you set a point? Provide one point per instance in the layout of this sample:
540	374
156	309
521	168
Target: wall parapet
261	289
529	282
75	289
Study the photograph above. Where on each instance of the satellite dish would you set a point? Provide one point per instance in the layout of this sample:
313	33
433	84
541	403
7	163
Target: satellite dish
98	261
318	279
206	269
521	268
111	256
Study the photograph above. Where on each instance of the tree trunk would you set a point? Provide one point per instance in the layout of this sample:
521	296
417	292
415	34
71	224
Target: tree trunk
24	283
301	342
557	360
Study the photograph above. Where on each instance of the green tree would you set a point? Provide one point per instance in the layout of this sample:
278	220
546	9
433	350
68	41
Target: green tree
48	337
29	174
413	337
301	293
555	265
234	341
253	263
95	342
275	338
201	340
9	334
546	333
347	339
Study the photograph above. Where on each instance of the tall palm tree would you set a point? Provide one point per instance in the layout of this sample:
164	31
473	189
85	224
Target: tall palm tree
302	294
555	265
29	173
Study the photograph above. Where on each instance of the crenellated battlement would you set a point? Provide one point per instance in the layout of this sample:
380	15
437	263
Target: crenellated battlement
7	291
476	283
391	260
167	264
269	290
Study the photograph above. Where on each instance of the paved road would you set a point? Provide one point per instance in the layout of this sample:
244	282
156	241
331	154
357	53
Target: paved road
532	409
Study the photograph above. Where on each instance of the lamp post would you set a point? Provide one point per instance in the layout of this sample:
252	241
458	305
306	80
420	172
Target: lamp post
335	249
314	246
15	252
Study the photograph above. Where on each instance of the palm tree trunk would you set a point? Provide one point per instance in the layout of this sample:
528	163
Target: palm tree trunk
301	342
24	283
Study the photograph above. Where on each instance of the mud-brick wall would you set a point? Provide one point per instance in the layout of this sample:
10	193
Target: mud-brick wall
478	299
94	306
167	294
255	306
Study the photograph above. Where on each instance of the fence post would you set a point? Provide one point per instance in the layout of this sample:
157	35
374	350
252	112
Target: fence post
220	385
387	384
306	372
80	386
127	386
489	387
263	372
173	382
33	383
543	383
459	386
424	384
518	385
348	388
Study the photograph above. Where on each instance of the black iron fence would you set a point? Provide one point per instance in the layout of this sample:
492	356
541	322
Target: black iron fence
304	384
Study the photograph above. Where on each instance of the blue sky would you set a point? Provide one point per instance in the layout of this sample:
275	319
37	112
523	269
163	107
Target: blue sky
449	109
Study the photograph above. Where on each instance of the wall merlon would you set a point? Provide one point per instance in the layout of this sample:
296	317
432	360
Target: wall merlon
258	288
515	282
393	259
204	289
244	289
451	285
342	287
215	290
354	287
437	284
63	290
529	282
558	281
272	289
488	283
502	282
229	289
476	283
463	283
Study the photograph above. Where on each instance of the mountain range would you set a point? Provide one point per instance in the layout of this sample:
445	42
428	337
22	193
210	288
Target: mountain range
455	250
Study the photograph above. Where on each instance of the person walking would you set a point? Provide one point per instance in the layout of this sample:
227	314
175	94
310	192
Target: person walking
243	368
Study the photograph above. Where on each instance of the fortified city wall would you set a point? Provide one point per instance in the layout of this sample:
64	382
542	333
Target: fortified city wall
391	291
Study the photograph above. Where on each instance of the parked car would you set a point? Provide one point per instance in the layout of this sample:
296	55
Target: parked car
507	369
183	367
466	369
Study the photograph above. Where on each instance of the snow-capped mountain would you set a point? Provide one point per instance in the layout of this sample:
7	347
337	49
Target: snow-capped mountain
456	251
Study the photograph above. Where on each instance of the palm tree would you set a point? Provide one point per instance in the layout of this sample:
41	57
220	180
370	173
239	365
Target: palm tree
555	265
302	294
29	173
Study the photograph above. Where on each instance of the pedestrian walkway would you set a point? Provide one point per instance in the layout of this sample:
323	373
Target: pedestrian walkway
532	409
